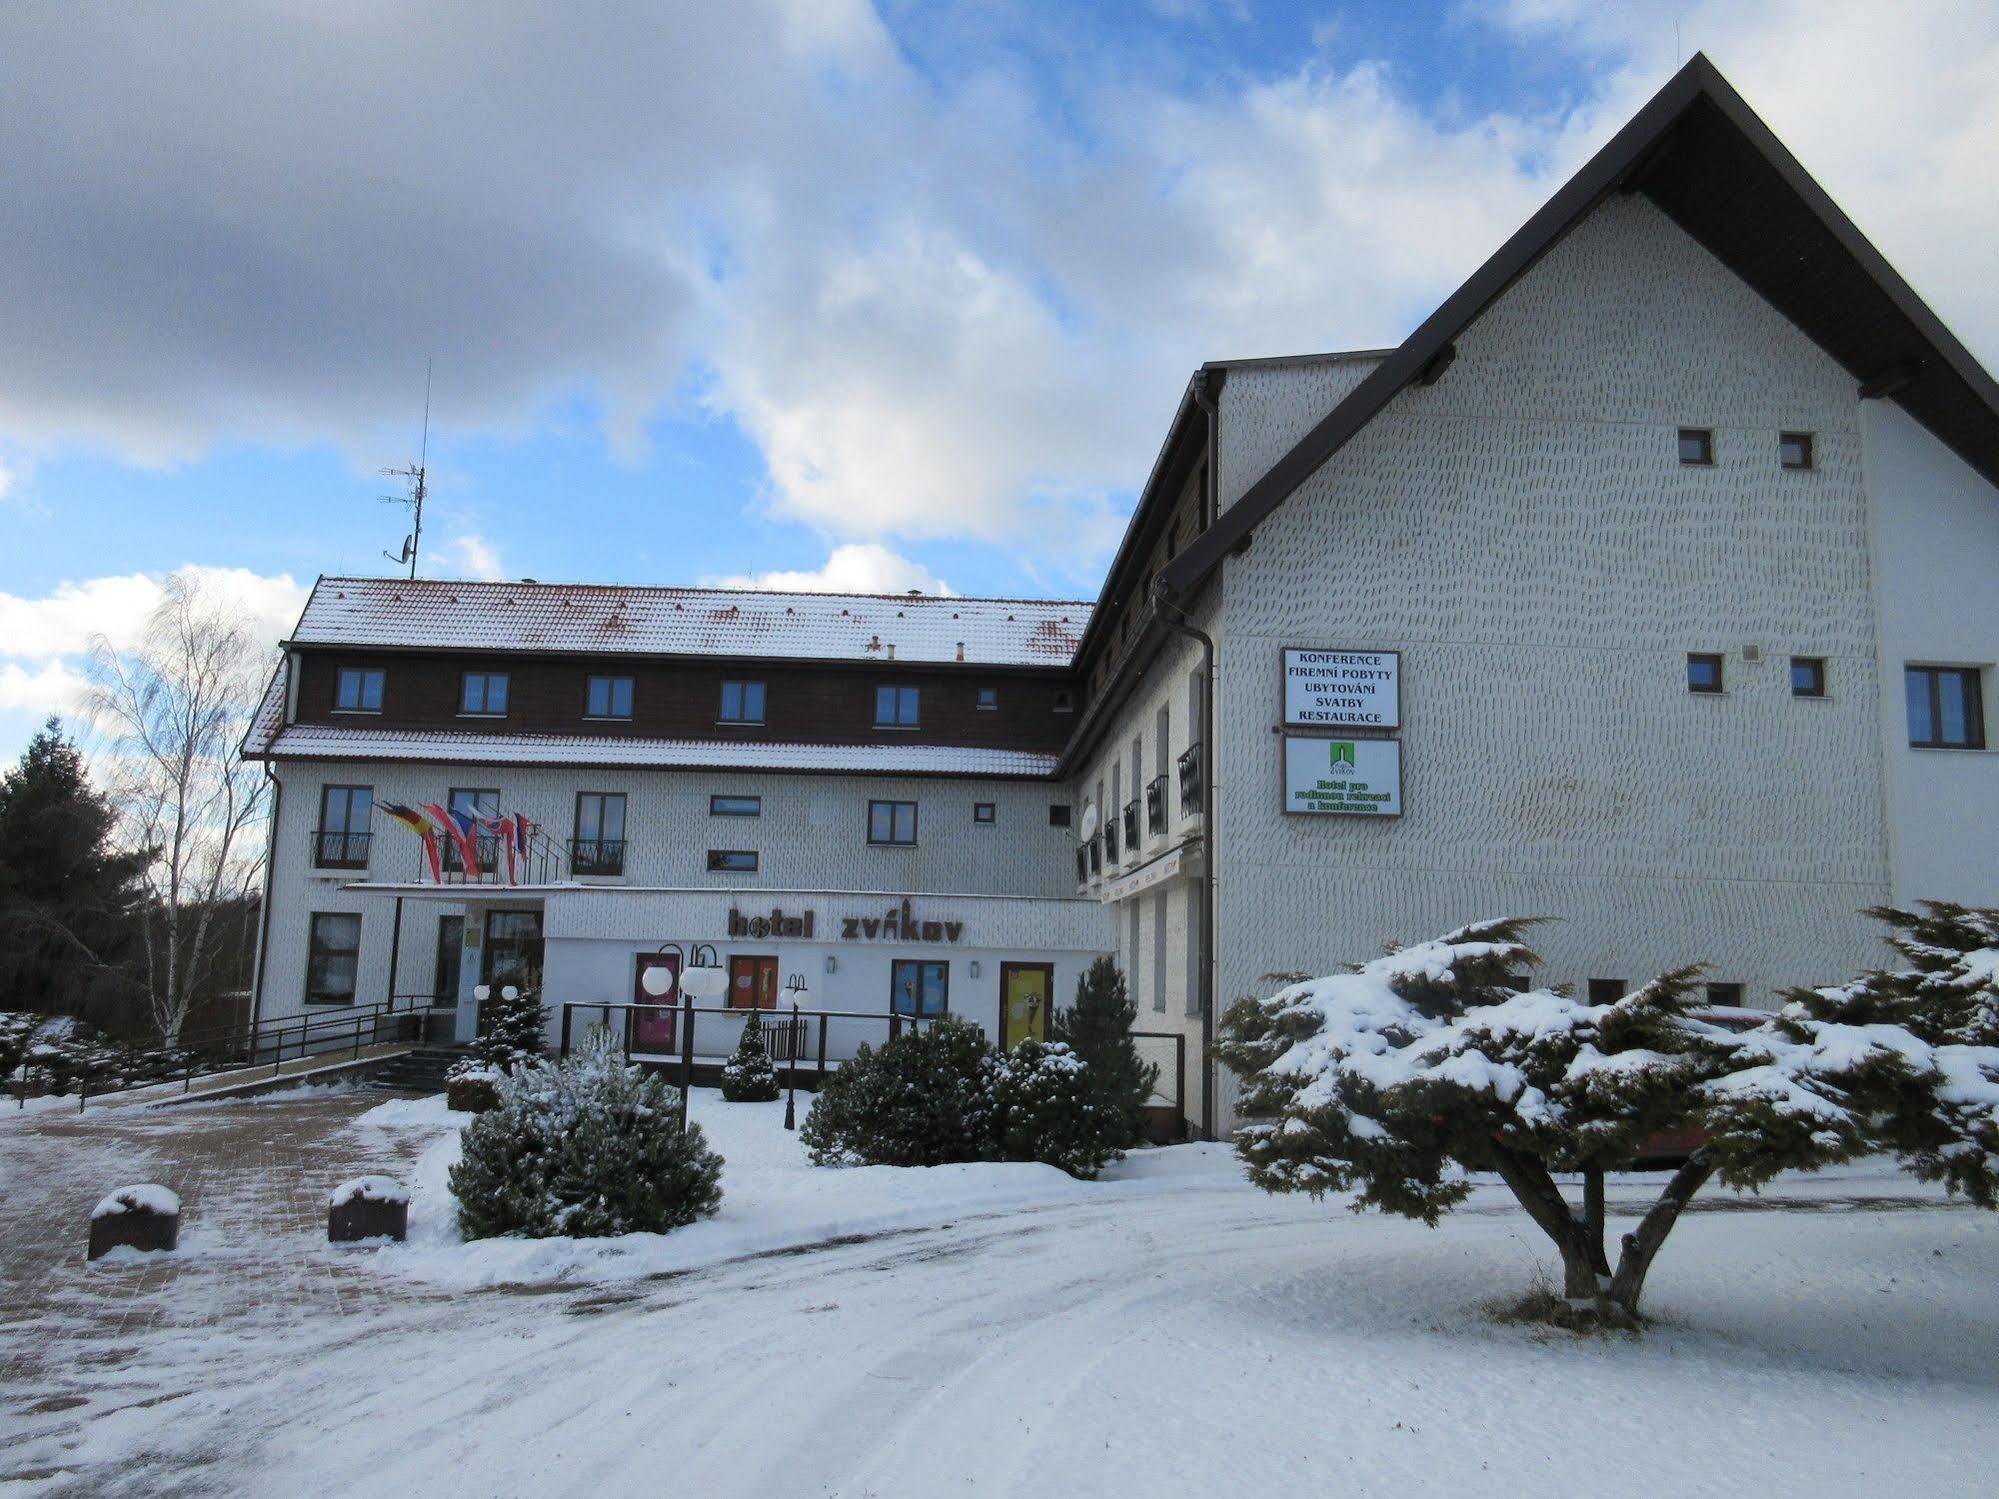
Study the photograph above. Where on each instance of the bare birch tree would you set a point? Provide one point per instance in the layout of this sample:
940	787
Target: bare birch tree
175	708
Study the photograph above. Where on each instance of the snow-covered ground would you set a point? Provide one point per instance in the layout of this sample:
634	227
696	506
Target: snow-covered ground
1003	1330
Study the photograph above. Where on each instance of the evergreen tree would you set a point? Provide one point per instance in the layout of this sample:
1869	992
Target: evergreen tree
748	1076
69	905
514	1026
923	1099
1098	1029
1045	1109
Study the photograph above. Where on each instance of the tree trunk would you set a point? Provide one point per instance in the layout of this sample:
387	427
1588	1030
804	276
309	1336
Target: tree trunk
1643	1242
1593	1219
1543	1200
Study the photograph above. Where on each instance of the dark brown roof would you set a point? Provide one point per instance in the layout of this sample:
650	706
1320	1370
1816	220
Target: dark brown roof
1700	153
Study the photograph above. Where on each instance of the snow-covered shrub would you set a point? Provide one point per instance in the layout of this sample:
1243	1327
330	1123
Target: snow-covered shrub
1045	1109
1098	1029
1938	1109
1392	1079
923	1099
748	1076
17	1033
587	1147
471	1089
513	1028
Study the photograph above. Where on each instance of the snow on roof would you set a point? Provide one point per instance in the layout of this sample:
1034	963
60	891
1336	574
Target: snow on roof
341	742
599	619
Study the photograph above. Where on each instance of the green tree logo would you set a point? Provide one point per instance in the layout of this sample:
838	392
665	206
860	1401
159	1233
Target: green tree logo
1342	754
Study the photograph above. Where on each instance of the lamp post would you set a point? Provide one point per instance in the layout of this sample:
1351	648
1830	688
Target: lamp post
798	992
702	978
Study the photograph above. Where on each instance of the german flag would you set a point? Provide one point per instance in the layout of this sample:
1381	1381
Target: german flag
417	823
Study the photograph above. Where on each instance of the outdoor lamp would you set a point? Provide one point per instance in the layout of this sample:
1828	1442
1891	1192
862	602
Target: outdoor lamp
704	978
658	981
797	990
510	993
481	992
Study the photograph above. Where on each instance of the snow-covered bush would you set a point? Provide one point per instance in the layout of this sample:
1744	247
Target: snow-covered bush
923	1099
587	1147
513	1028
17	1033
1098	1029
1938	1110
1045	1109
1392	1079
748	1076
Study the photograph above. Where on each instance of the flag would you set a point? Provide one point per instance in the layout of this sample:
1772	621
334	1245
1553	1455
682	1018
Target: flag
502	829
460	833
417	823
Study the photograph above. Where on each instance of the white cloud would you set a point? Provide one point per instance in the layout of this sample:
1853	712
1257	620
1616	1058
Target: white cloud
468	555
52	687
858	567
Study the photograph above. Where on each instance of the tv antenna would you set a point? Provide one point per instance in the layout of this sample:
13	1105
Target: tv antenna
416	489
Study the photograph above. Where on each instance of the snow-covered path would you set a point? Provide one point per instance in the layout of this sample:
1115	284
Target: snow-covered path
1171	1333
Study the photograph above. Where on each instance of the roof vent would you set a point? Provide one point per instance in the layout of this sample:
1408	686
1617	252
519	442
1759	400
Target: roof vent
874	642
530	580
916	593
891	650
961	650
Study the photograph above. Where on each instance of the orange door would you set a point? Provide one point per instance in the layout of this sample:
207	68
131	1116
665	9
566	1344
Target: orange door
752	982
1026	992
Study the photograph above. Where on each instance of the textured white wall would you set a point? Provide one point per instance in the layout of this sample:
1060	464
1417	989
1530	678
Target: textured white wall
1524	534
1936	535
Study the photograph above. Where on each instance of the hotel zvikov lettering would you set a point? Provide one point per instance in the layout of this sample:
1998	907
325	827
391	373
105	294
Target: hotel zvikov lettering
1646	585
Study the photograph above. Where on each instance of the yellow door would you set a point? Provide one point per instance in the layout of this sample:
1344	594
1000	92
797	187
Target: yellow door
1026	991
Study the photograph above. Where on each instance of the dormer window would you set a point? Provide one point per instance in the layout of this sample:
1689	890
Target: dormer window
742	702
358	689
988	699
483	695
608	697
899	707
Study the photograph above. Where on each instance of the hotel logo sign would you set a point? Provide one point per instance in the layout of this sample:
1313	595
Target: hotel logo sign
1342	689
1358	777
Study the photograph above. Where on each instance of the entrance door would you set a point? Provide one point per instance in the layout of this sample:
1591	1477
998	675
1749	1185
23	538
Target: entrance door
752	982
513	949
1027	990
652	1026
450	961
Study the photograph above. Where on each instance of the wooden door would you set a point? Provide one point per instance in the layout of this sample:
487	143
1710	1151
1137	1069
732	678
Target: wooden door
1027	990
752	982
652	1026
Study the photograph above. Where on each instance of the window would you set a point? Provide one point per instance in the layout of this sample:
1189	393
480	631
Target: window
742	702
608	697
1058	814
1703	672
484	694
1946	707
1696	445
1725	994
599	845
735	806
342	839
1794	449
483	802
1808	676
1065	701
1605	991
333	946
892	822
358	690
898	707
985	814
732	861
919	987
988	699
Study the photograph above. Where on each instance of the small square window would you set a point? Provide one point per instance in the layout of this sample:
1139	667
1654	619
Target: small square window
1725	994
1794	449
1703	672
988	699
1696	445
735	806
1065	701
1808	676
483	695
742	702
358	690
732	861
985	814
892	823
1605	991
898	707
1058	814
608	697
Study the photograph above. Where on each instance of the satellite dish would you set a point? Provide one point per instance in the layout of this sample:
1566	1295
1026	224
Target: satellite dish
1088	828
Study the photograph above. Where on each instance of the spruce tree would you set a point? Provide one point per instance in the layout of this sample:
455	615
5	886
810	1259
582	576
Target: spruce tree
1097	1028
69	904
514	1030
748	1076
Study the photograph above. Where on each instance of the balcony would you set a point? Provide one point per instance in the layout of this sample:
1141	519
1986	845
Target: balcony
1082	864
340	850
1191	781
1096	856
596	856
1110	844
487	849
1155	805
1131	827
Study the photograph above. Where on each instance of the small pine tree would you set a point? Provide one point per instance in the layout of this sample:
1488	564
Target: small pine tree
923	1099
585	1147
748	1076
1097	1028
515	1029
1045	1109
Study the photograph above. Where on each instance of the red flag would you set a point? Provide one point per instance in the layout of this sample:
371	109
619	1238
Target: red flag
460	833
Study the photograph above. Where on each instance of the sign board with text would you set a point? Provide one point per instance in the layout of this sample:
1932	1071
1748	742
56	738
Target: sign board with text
1359	777
1333	689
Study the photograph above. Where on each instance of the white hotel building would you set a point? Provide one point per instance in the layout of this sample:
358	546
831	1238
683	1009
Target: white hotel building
1648	585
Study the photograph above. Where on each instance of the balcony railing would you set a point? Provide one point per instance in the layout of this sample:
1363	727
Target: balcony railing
1155	805
1096	856
340	850
1110	843
1131	827
1082	863
596	856
1190	778
488	851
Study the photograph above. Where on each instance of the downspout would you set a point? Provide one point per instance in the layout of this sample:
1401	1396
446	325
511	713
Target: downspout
270	867
1175	618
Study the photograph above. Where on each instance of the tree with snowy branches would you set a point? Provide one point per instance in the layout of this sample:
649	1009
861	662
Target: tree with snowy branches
748	1076
1395	1079
513	1025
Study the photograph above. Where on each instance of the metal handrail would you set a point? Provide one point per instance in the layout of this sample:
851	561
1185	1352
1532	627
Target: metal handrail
597	856
333	849
1131	826
1189	766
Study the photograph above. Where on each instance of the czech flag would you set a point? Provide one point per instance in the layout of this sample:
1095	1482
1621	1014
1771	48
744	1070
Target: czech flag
417	823
458	827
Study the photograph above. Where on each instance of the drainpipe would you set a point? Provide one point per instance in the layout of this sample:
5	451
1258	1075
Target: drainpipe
270	865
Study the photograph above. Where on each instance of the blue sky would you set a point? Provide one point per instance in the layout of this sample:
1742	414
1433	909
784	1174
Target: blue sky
862	296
